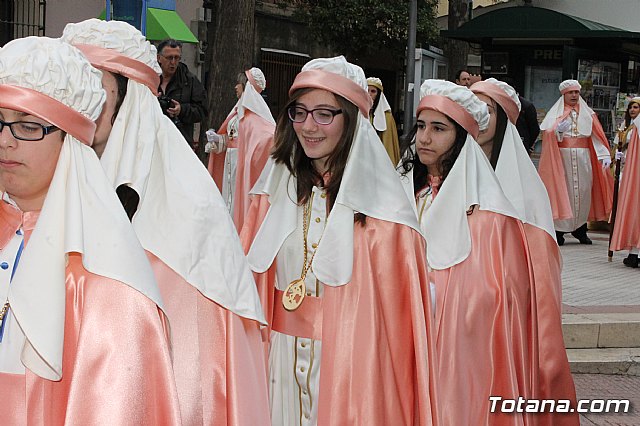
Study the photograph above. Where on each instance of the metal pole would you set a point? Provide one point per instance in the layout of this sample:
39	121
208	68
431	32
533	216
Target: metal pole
143	18
108	11
407	121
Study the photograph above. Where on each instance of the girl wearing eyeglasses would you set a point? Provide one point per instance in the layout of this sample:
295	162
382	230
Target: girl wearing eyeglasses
82	333
333	241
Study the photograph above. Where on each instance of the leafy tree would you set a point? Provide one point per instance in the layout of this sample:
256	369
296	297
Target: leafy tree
456	50
365	26
231	53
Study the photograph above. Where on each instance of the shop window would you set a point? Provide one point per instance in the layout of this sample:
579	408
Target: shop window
495	63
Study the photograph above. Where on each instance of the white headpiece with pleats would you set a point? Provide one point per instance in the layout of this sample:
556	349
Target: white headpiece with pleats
81	212
186	227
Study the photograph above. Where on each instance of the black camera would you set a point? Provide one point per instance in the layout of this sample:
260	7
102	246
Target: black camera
165	104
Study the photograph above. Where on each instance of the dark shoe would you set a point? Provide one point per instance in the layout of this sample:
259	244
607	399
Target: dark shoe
584	240
581	235
631	261
560	238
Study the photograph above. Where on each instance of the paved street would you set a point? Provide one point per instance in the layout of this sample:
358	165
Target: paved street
591	284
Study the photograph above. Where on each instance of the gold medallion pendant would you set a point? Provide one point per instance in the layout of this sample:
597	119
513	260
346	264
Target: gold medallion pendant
294	295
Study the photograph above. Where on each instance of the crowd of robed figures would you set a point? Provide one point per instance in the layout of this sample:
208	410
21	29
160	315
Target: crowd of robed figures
358	283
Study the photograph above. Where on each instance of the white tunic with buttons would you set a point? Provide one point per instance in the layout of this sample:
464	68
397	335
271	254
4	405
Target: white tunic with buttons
578	177
230	166
294	362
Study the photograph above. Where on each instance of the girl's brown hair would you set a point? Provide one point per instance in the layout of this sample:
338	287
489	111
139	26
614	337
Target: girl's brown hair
289	151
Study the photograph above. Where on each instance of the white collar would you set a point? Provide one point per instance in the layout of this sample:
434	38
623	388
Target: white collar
82	214
471	181
370	185
379	116
253	101
147	152
585	116
521	183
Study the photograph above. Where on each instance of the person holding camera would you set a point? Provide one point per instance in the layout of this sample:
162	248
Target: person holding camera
181	95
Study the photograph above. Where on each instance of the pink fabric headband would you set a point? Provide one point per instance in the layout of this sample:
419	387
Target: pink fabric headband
570	88
334	83
110	60
451	109
253	81
49	109
500	96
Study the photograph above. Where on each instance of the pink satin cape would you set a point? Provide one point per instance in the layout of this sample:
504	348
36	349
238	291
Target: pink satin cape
217	356
486	334
554	375
116	363
216	161
626	232
377	359
552	173
255	142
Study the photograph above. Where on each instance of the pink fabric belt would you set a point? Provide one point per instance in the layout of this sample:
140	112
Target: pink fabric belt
574	143
306	321
232	143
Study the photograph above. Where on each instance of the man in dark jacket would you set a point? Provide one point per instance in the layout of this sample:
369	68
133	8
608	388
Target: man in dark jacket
182	96
527	123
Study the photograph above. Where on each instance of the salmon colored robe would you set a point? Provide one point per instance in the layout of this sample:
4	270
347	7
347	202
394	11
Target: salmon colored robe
486	331
216	161
116	366
554	375
377	362
626	232
552	173
254	142
217	356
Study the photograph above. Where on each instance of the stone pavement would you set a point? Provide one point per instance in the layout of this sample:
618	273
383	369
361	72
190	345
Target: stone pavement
603	386
592	285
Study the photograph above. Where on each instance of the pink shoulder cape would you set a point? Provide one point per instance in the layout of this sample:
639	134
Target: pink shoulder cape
626	232
217	356
490	337
255	142
116	362
377	360
216	161
116	365
554	375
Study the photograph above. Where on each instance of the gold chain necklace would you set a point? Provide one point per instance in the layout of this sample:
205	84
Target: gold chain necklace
296	291
4	310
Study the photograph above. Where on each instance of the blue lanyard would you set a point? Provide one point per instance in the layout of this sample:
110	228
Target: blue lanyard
13	271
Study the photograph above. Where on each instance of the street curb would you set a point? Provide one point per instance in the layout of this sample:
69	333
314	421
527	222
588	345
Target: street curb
619	361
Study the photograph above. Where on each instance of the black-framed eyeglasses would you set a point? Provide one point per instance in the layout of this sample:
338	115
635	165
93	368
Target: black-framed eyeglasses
323	116
28	130
172	58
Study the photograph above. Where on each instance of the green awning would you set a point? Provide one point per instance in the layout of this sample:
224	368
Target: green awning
164	24
533	23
